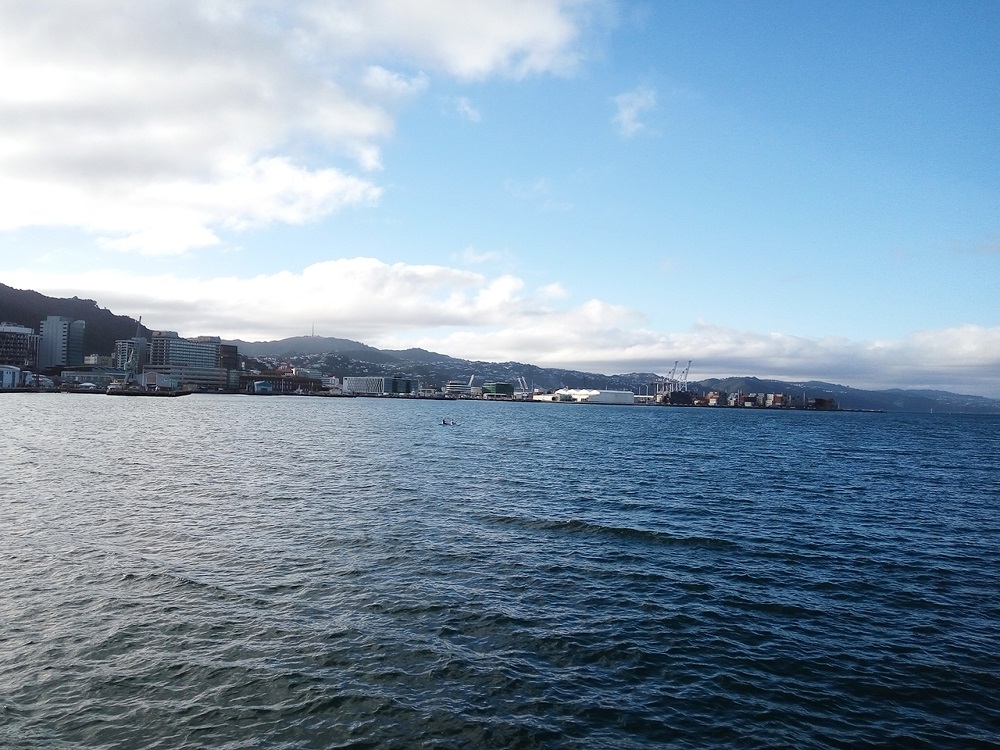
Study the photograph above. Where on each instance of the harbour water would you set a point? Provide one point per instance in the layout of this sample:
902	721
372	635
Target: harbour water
284	572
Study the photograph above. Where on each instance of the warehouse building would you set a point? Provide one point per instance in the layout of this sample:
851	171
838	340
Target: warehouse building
587	396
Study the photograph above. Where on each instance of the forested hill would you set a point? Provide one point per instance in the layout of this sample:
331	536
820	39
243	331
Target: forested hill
27	308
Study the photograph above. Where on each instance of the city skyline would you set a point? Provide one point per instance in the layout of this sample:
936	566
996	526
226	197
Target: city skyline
787	191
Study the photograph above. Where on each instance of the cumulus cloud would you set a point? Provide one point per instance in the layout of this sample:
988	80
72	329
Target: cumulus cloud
164	123
498	318
175	214
630	106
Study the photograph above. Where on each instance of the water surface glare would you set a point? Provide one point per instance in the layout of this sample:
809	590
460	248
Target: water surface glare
283	572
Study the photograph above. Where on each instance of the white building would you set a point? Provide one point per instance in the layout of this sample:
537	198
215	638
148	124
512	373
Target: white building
587	396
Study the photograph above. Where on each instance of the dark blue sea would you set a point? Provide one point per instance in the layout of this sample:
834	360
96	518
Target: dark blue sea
289	572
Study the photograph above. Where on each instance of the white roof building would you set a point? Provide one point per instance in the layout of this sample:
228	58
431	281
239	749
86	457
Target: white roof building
587	396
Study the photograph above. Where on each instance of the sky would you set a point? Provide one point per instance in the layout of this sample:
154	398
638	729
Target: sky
782	189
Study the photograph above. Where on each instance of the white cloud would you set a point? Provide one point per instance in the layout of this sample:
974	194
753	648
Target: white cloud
467	314
386	82
156	125
173	215
464	107
472	256
630	106
554	291
470	40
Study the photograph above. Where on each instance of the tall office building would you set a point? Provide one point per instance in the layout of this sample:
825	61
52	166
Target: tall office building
61	342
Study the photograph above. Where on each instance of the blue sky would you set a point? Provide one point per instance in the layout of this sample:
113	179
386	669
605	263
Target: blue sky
796	190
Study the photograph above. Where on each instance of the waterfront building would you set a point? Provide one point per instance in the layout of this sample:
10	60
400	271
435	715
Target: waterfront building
18	345
61	343
95	375
167	348
196	363
587	396
375	385
459	388
278	383
498	390
10	376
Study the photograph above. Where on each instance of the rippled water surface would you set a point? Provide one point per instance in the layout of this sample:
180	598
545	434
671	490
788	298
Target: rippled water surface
237	572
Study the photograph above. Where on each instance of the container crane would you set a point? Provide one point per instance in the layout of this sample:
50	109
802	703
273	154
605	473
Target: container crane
667	384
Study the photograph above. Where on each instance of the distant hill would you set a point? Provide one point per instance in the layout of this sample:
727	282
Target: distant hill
298	345
344	357
27	308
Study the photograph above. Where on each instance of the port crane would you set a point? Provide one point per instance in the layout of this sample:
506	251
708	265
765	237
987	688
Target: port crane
684	377
131	379
666	385
671	383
